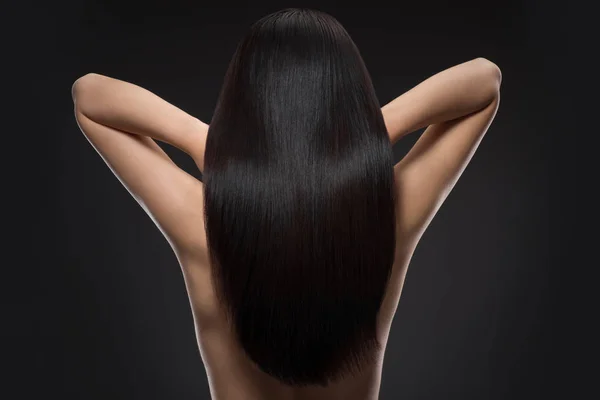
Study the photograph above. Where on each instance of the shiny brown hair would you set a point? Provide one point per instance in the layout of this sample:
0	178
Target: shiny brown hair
299	199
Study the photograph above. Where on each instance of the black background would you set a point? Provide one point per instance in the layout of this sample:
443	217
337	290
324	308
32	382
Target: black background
103	312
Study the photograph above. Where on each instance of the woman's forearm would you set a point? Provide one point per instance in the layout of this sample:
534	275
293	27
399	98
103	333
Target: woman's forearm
452	93
131	108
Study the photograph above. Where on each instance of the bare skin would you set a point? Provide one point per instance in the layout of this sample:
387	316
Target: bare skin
122	121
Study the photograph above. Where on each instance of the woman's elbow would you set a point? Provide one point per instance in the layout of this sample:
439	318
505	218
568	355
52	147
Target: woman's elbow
493	74
86	93
82	85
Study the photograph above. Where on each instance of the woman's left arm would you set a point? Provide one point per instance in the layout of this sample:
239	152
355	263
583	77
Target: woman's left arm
128	107
121	121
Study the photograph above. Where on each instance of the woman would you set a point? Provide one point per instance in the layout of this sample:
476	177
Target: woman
295	246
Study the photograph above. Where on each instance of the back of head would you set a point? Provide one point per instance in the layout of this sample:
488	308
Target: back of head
299	199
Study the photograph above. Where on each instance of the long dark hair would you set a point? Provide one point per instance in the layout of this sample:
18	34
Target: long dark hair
299	199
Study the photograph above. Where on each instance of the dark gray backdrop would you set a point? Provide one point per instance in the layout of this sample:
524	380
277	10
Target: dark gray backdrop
105	315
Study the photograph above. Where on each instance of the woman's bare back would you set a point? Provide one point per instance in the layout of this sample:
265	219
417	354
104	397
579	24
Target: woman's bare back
233	376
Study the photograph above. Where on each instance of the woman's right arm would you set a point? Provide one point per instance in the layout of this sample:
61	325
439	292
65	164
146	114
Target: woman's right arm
457	105
450	94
